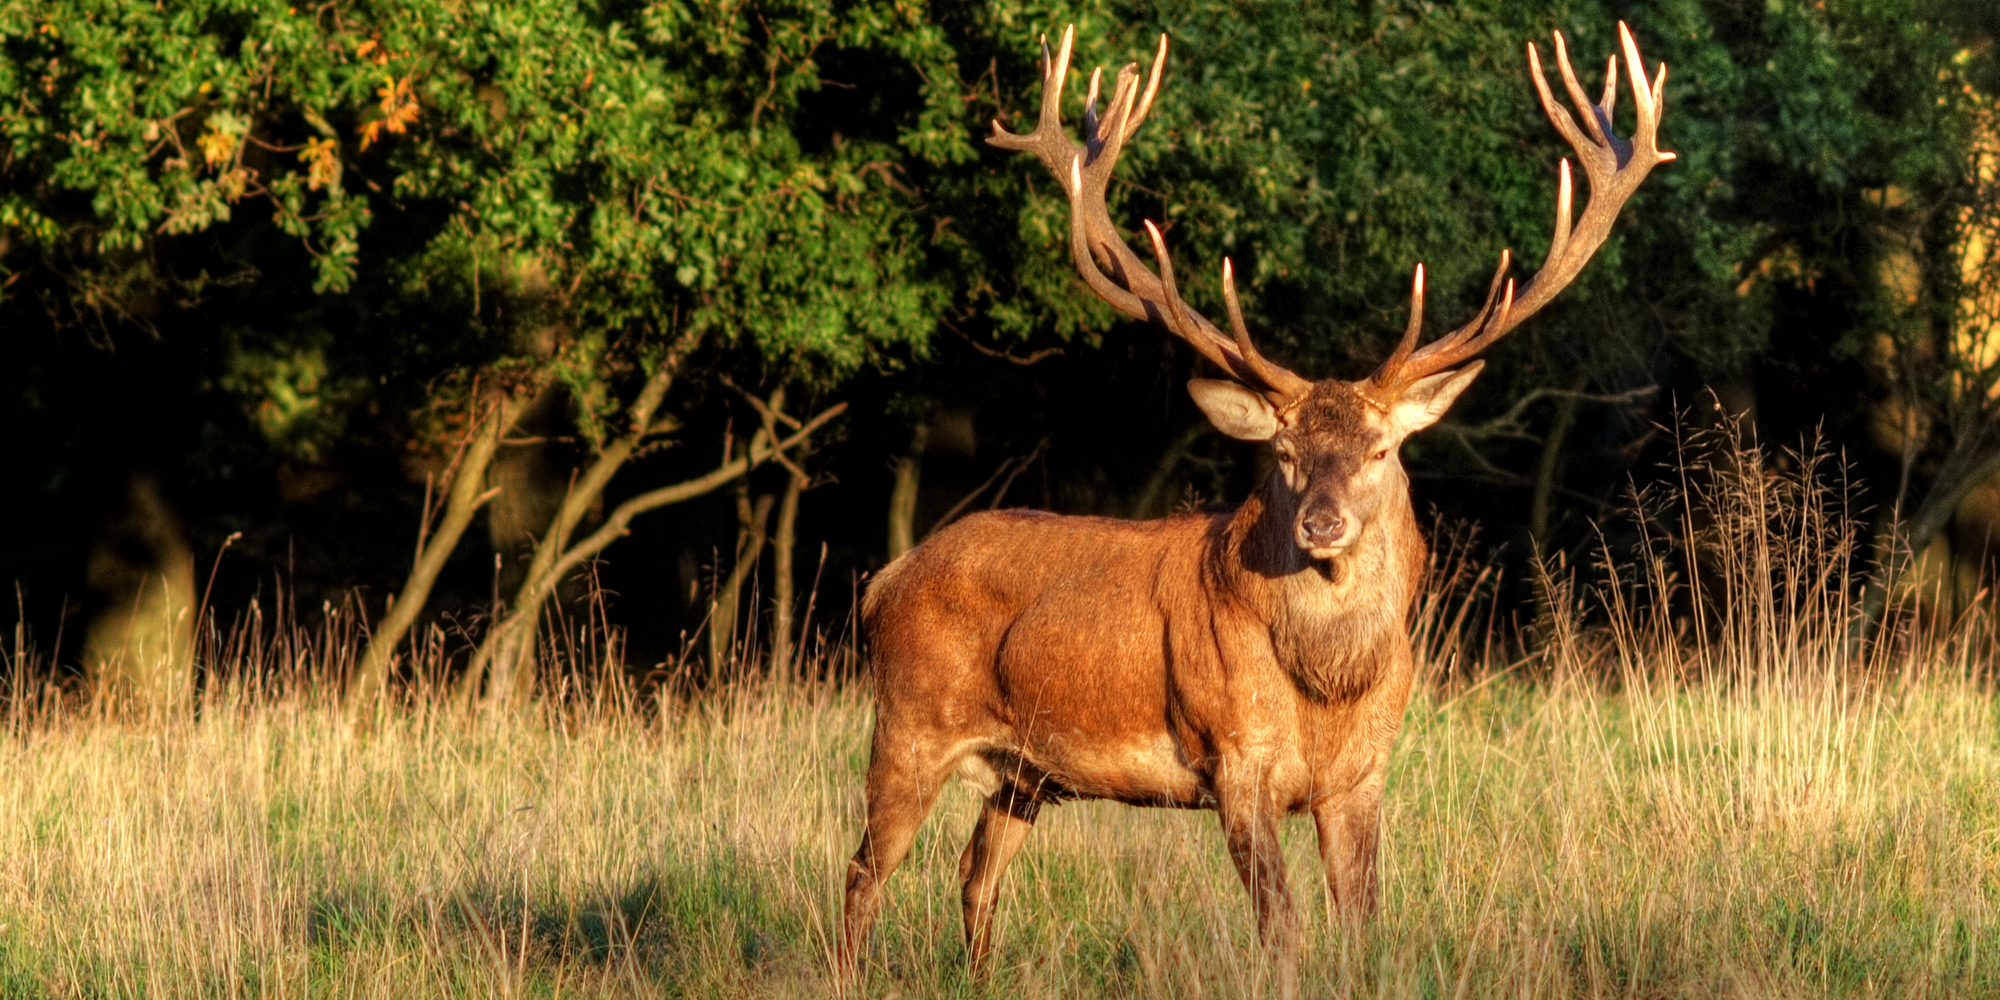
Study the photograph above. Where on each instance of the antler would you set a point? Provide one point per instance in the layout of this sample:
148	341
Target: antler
1084	170
1615	168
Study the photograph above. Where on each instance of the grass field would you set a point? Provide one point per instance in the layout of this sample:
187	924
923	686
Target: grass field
1705	793
1546	838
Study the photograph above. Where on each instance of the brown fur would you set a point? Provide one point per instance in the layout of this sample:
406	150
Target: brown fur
1198	661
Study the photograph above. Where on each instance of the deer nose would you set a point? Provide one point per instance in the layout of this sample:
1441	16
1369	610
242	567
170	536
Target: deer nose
1321	528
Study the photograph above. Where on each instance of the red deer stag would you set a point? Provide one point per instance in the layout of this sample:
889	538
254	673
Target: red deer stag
1255	662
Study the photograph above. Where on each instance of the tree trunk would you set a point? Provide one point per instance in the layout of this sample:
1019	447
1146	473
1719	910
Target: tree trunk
139	651
1541	507
1154	499
509	638
505	652
1962	473
903	498
751	519
784	544
467	496
1953	484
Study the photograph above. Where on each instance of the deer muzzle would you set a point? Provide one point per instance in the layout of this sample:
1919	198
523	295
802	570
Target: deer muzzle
1324	529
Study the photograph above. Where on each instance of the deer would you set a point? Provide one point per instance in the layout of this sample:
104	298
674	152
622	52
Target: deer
1256	661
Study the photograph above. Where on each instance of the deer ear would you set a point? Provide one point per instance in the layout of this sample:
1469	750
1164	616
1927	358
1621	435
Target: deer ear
1425	401
1235	410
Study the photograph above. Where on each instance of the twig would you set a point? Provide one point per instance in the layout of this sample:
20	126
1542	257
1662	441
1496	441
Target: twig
615	526
1041	355
1508	424
1018	469
773	413
763	409
210	589
966	501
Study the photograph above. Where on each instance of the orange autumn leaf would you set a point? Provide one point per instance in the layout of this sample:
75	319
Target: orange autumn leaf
399	111
322	159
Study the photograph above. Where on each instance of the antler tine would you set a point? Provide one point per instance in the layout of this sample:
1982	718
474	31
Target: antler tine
1410	333
1565	192
1493	288
1174	304
1152	87
1614	167
1472	346
1047	141
1286	386
1085	170
1609	102
1178	316
1649	100
1124	97
1181	319
1090	106
1391	373
1594	118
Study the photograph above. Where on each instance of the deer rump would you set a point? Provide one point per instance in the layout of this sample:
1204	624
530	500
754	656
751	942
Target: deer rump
1053	657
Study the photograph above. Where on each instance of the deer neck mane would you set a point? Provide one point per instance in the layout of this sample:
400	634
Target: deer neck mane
1333	623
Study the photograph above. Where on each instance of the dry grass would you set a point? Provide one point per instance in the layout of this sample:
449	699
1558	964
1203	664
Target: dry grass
1744	808
1544	839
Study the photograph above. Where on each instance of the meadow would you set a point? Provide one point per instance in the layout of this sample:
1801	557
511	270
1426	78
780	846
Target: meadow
1724	793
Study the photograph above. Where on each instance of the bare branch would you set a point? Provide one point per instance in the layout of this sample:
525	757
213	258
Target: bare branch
616	526
1008	356
1510	424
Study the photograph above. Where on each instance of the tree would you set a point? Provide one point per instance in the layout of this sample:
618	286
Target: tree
316	246
612	203
1939	344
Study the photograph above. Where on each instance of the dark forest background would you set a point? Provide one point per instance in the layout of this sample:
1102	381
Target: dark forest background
288	289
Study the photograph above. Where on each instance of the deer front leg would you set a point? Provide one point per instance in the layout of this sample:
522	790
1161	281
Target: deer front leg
1251	824
1349	828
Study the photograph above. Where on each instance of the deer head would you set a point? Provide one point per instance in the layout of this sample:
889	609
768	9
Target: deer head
1336	442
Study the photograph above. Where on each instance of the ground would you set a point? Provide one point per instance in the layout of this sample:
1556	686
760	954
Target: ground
1545	835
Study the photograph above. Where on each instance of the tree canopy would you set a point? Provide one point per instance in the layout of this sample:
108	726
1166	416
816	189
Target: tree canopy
268	253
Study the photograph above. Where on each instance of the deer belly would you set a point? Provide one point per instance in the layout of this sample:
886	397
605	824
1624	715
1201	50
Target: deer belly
1140	771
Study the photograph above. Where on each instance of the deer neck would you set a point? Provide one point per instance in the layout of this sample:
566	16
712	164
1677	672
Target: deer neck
1333	622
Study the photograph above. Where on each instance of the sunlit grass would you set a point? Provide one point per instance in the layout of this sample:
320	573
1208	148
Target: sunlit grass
1548	838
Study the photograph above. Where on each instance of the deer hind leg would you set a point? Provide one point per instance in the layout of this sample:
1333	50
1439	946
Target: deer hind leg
1250	822
1004	824
904	778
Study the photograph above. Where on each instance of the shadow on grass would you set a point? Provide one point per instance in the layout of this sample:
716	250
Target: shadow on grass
714	919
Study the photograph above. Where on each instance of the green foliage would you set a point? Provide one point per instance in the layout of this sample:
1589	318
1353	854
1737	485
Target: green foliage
167	120
297	404
589	177
649	170
612	171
